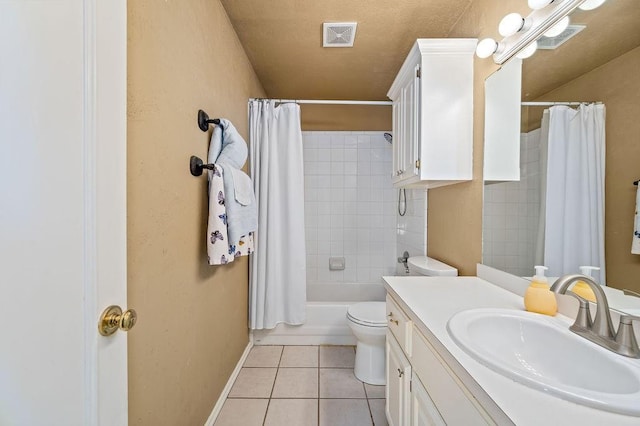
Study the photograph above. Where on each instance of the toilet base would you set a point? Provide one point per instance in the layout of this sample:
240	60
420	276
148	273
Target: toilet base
370	363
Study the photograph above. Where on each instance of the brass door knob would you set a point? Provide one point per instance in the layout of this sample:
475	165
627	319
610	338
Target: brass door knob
113	319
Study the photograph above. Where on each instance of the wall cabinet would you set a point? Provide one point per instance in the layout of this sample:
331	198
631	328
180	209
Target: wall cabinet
421	388
502	93
433	114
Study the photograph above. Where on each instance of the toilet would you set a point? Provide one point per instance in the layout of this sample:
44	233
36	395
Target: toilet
368	322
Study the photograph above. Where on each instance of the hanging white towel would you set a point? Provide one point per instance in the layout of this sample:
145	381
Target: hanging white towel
635	245
228	151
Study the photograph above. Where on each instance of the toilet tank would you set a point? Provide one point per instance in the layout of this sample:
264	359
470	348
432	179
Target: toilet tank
423	265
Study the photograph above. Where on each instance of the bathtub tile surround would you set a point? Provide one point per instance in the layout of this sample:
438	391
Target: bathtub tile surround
324	392
412	227
508	239
350	207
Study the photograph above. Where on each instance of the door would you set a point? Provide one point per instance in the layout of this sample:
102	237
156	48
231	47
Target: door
62	211
398	380
423	410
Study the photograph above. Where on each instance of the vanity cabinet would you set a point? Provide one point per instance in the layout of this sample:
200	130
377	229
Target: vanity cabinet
433	114
397	391
421	388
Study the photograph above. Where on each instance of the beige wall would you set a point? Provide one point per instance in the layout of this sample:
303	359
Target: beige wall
192	329
454	214
616	84
346	117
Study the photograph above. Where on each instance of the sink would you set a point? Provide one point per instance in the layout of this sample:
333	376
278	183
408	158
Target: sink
539	351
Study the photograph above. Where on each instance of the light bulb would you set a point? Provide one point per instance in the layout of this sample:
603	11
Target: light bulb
539	4
558	28
528	51
510	24
591	4
486	48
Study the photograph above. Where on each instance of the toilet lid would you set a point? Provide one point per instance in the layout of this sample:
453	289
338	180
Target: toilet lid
372	314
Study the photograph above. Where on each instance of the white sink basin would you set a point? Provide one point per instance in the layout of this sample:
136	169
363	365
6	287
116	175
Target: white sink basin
540	351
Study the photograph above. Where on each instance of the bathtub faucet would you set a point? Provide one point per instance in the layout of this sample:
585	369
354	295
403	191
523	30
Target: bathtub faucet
404	259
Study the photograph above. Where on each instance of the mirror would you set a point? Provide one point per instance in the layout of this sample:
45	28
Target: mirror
599	63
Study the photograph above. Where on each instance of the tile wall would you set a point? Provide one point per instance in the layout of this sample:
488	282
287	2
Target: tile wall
511	214
412	227
350	206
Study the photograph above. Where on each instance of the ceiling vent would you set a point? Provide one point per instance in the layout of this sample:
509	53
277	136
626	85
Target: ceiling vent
551	43
338	34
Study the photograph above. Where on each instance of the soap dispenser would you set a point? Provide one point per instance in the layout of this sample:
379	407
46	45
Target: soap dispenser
538	297
581	288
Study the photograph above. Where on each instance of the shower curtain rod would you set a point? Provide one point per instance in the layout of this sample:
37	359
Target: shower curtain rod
325	102
556	103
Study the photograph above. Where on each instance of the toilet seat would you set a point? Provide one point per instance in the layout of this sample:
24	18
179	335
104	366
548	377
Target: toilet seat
368	314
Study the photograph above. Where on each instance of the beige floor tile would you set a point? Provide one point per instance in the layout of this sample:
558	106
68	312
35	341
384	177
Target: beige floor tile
253	383
242	412
337	356
296	383
344	412
374	391
292	412
340	383
299	356
263	356
377	412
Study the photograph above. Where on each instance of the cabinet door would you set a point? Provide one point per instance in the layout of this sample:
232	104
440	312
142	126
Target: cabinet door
397	139
398	381
409	129
423	410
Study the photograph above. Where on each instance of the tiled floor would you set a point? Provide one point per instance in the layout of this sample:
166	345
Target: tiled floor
299	386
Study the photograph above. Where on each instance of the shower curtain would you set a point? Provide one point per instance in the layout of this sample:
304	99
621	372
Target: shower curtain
574	231
277	284
544	146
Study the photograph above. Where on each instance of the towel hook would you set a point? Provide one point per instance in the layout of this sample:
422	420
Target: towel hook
204	121
196	165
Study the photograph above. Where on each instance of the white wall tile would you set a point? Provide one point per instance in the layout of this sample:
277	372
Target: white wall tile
510	216
349	204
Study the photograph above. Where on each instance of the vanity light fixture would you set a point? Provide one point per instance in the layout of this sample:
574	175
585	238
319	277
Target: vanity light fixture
511	24
591	4
486	47
528	51
521	34
558	28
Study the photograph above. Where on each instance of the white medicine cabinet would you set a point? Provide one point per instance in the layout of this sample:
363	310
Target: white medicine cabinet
433	114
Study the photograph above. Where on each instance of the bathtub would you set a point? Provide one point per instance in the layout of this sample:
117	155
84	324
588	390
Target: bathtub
326	316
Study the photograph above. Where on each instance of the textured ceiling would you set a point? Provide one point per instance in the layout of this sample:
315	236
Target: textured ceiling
283	39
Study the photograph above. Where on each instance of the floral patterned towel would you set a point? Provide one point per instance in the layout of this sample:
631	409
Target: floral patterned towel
220	250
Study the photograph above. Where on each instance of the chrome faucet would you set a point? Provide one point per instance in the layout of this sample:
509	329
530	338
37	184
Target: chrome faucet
404	260
600	330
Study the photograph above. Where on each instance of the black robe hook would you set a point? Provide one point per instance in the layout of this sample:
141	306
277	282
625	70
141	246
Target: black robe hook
196	165
204	121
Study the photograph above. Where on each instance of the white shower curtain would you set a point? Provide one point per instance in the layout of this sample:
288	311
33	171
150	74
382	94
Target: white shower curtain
544	146
574	234
277	290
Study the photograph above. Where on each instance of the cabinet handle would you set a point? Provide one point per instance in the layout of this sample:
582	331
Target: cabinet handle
393	321
400	373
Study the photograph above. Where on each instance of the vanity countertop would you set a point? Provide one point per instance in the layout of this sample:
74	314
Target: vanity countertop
431	301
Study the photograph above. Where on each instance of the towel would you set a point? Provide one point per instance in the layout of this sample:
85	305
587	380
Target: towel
635	245
228	150
219	250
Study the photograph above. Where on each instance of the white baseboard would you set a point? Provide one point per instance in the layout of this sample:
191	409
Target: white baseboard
225	392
